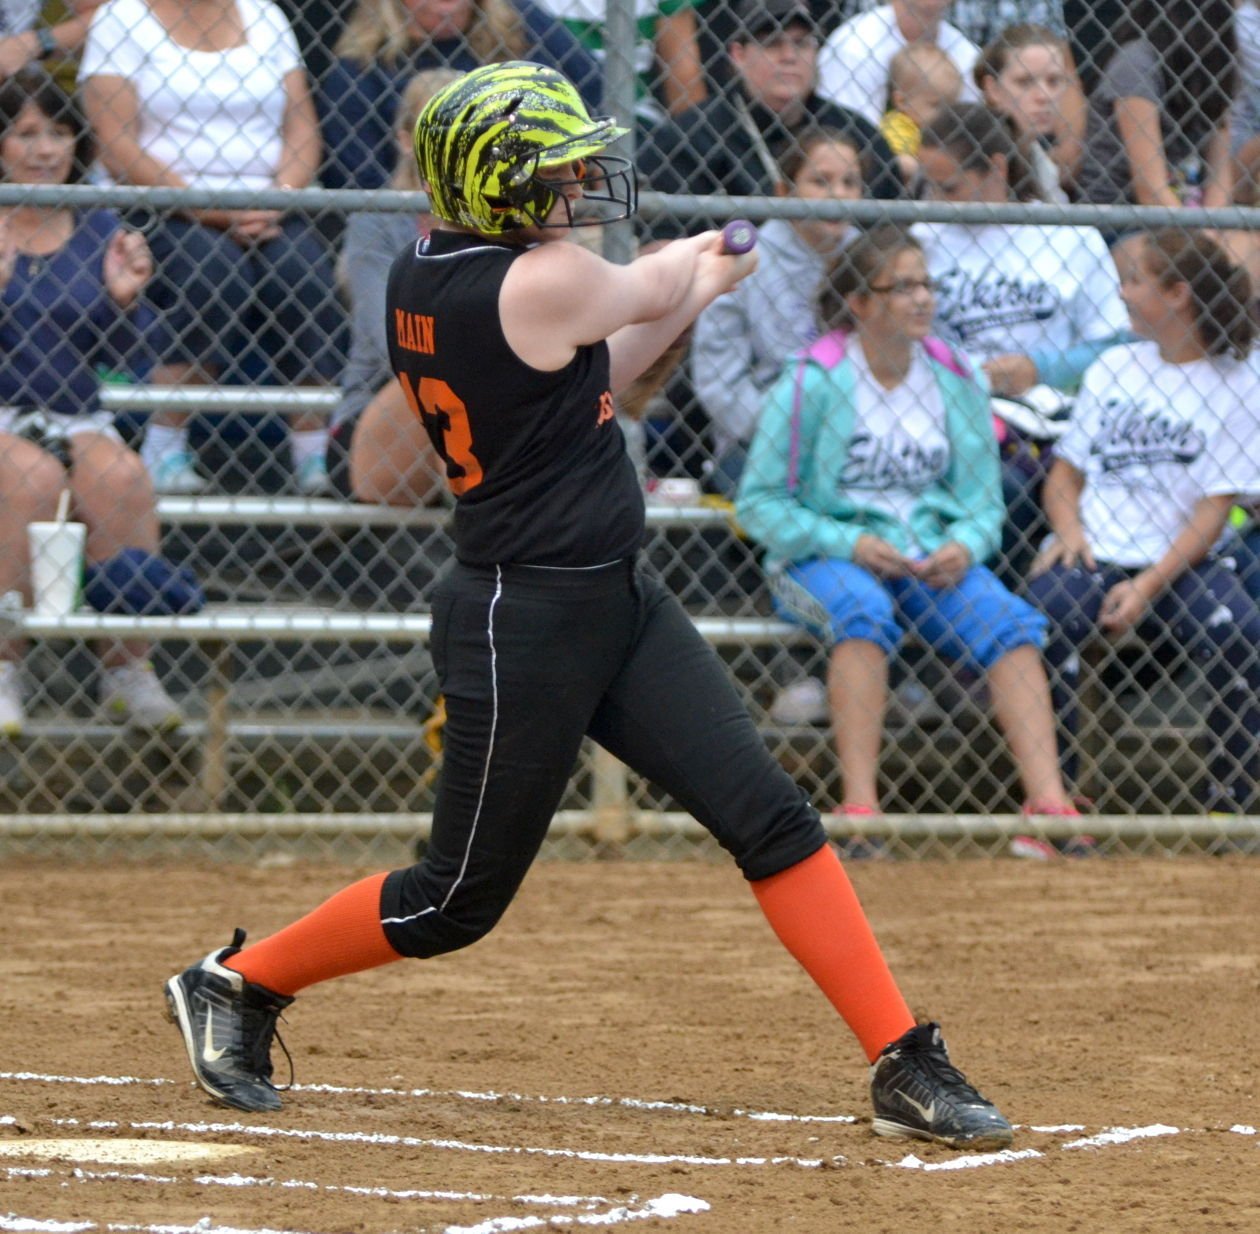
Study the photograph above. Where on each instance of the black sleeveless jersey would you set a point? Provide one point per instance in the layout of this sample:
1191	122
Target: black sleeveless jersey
536	460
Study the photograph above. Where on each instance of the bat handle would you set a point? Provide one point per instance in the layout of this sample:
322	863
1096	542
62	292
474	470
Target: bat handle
738	236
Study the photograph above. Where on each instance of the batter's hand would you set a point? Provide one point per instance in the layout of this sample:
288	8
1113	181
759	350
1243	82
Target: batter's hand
730	268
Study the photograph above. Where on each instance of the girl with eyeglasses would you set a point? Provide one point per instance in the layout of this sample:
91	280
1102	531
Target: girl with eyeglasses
873	484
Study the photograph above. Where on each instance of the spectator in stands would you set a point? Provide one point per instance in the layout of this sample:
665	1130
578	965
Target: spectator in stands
922	80
1158	132
386	42
873	485
667	56
1035	304
985	21
212	94
1025	75
1243	246
378	450
24	39
1162	443
980	20
854	62
1245	116
1091	26
733	142
743	339
70	289
317	25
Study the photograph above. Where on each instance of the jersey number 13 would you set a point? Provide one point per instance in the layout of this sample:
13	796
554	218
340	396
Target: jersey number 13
445	419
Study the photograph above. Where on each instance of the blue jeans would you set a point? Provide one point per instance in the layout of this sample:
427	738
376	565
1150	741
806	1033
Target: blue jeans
222	302
976	622
1206	612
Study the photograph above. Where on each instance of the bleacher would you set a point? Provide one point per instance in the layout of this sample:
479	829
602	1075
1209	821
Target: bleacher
325	704
307	682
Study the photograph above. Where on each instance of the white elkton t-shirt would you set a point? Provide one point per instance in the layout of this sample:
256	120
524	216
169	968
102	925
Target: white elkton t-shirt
1007	287
1153	439
900	446
214	117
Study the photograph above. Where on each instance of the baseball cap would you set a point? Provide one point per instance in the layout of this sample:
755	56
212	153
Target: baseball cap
754	17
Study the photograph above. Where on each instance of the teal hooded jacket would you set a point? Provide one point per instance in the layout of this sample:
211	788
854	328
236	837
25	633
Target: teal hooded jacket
790	497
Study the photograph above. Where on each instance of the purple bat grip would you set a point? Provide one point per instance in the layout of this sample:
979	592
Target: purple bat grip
738	236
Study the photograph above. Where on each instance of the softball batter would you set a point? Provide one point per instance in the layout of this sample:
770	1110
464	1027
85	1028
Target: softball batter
510	345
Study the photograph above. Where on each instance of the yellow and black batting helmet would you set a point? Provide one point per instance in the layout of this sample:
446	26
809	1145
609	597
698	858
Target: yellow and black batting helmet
480	141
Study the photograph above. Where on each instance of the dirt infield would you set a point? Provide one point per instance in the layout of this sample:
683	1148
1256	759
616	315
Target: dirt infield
602	1059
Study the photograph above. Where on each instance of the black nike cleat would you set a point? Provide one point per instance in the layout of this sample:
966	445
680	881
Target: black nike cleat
227	1024
919	1093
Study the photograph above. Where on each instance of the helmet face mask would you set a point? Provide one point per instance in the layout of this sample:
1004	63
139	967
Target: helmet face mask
610	192
482	142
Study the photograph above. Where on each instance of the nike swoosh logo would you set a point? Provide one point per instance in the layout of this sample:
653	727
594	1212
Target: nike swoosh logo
208	1052
927	1111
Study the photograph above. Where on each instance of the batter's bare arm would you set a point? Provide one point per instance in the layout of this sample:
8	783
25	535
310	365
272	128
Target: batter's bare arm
560	296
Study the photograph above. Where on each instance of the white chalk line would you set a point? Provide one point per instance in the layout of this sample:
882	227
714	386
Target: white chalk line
663	1206
1108	1137
668	1205
613	1213
409	1141
972	1161
1104	1139
80	1174
634	1103
629	1103
37	1225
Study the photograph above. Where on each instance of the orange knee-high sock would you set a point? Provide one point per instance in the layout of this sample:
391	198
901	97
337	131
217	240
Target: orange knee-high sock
343	935
815	912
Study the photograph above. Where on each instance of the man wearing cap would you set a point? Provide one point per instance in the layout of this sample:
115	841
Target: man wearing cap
731	143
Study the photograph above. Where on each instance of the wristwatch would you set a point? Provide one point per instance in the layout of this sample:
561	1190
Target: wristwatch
47	44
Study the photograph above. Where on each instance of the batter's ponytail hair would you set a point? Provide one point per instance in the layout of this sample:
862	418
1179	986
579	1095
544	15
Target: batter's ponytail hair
1220	291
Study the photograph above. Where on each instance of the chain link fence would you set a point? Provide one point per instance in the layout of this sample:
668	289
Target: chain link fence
216	396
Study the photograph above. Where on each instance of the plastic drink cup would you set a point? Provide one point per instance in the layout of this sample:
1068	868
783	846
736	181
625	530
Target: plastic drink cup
56	567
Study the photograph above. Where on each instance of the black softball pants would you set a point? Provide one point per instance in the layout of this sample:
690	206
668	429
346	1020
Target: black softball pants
531	660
